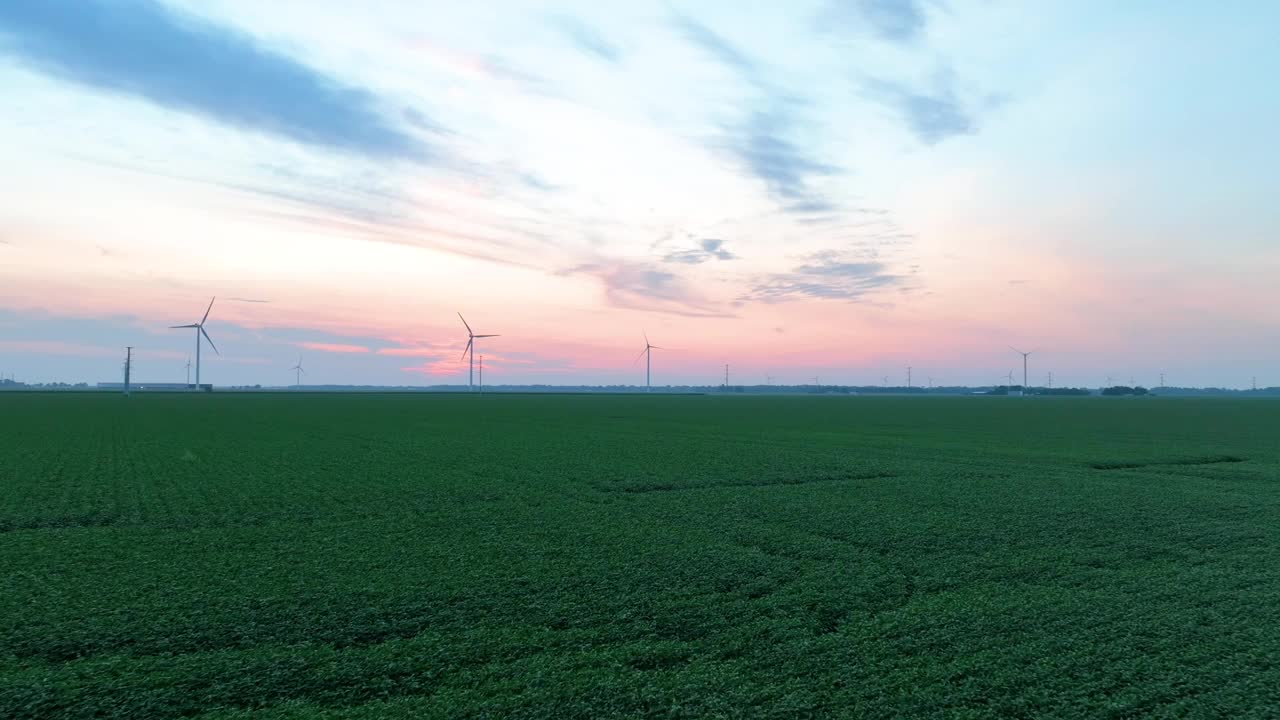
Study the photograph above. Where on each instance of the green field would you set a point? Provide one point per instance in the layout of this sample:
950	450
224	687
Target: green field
295	556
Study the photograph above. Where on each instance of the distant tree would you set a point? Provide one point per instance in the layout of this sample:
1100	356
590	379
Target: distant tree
1124	390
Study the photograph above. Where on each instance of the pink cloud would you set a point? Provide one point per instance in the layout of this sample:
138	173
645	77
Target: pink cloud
411	352
333	347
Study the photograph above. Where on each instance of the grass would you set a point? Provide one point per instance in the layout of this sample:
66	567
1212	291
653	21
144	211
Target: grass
367	556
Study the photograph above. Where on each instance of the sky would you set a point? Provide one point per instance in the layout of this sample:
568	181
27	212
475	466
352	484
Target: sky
816	189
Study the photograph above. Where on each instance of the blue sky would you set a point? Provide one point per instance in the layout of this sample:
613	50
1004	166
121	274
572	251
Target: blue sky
816	188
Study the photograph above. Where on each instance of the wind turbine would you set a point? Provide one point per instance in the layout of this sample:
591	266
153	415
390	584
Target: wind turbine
200	331
188	369
647	353
1024	355
471	348
298	372
1010	377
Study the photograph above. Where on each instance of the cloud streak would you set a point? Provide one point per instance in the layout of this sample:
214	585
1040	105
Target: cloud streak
762	143
587	39
636	286
718	47
708	249
931	117
142	49
897	21
341	348
825	276
763	147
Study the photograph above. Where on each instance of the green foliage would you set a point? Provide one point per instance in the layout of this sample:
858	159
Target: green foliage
365	556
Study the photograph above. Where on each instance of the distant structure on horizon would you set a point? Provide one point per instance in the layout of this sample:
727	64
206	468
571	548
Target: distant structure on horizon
199	327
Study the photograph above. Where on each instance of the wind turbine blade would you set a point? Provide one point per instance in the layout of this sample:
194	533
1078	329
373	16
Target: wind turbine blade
206	312
468	347
206	337
486	336
464	322
173	327
655	347
646	337
642	352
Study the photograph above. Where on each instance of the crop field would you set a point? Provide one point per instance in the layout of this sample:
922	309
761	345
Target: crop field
446	556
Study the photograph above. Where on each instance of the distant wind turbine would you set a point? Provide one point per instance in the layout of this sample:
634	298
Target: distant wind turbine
471	349
188	369
647	354
1024	355
298	372
199	327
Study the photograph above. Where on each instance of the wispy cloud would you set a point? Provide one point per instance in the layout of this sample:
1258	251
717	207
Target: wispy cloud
762	143
143	49
717	46
708	249
899	21
787	171
931	116
333	347
637	286
826	275
586	38
414	352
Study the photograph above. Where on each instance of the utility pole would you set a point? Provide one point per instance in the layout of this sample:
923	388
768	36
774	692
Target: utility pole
128	362
1161	381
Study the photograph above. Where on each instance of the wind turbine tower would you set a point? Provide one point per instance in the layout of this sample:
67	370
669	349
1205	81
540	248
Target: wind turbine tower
128	366
1024	355
647	352
199	328
481	374
908	377
471	349
188	369
298	372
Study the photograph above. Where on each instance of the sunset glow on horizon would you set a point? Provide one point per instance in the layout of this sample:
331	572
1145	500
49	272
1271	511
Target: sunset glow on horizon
817	189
